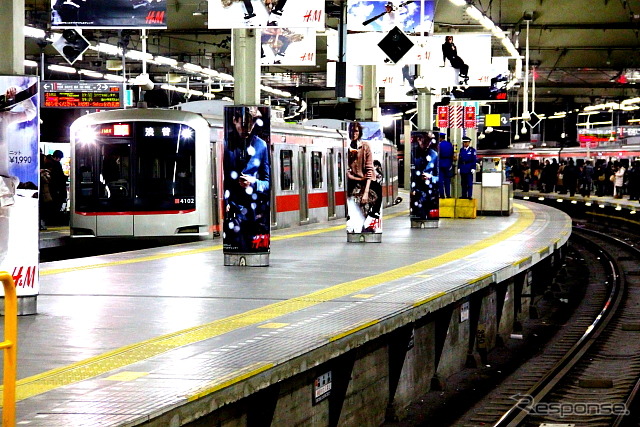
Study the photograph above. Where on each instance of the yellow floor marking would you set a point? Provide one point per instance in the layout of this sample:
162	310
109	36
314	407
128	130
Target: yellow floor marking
126	376
230	379
353	329
362	296
127	355
273	325
50	271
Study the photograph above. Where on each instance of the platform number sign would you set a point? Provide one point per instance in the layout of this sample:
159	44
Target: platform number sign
322	387
464	312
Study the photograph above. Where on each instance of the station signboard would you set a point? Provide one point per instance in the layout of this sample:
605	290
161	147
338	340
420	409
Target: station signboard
81	94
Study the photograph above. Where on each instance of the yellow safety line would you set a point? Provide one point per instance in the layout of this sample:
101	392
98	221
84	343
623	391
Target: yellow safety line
230	379
613	217
353	330
137	352
51	271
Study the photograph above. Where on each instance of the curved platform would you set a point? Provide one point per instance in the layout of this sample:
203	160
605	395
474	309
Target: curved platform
161	336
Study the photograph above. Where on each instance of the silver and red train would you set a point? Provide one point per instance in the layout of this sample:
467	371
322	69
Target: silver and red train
158	172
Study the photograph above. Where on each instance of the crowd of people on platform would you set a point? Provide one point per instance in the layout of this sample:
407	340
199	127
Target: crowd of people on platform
584	177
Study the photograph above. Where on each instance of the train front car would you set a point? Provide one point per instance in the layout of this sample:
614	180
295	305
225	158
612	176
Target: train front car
139	172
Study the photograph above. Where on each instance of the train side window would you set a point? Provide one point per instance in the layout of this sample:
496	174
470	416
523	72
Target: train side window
286	170
340	171
316	169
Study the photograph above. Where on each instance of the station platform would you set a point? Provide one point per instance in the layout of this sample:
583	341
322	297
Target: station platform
592	200
162	336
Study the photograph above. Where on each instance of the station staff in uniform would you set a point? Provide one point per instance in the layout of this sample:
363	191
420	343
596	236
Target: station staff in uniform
446	163
466	167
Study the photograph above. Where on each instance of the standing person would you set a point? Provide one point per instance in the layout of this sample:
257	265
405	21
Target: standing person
364	192
586	179
466	167
446	163
57	186
570	177
618	180
450	52
247	177
276	12
633	186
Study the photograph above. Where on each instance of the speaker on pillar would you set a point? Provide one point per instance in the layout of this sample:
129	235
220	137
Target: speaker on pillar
395	44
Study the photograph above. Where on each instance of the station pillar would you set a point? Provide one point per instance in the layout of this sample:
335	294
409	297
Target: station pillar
12	55
246	68
368	108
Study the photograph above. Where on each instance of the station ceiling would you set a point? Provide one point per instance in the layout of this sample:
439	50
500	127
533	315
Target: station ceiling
584	51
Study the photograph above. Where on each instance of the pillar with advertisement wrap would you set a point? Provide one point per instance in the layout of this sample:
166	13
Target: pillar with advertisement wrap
19	181
364	182
424	194
246	232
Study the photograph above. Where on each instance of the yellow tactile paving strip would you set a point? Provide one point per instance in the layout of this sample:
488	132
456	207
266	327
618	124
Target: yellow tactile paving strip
128	355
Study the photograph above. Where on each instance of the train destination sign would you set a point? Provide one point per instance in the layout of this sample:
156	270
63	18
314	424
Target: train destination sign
81	94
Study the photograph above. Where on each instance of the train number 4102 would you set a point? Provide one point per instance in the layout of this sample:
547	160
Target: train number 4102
185	200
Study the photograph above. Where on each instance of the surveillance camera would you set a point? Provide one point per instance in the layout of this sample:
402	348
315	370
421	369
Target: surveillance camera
527	15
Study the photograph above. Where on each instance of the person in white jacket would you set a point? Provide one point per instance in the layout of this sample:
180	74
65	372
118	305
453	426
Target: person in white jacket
619	182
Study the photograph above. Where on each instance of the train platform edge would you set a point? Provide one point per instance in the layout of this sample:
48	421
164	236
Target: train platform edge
156	348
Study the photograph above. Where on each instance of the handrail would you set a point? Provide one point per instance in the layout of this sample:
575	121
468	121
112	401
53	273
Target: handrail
10	346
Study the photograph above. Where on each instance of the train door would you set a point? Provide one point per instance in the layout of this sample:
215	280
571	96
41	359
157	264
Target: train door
215	208
115	189
331	185
303	188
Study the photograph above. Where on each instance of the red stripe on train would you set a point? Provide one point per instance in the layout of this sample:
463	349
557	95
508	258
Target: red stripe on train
287	203
135	213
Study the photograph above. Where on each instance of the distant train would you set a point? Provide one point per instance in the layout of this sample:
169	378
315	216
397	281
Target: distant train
158	172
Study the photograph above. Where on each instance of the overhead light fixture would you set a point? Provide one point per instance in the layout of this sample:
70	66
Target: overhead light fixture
90	73
192	67
114	65
174	78
30	63
62	69
166	61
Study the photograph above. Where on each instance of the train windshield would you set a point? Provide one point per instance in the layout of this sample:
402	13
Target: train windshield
137	167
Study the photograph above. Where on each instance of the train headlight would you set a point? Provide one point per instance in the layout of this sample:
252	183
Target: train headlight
86	135
186	133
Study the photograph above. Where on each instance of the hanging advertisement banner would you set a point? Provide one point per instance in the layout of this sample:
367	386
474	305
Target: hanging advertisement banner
364	179
412	17
98	14
288	46
443	116
424	196
19	179
247	180
226	14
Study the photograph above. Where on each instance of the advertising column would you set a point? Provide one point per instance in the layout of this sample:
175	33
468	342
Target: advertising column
19	173
247	186
364	182
424	194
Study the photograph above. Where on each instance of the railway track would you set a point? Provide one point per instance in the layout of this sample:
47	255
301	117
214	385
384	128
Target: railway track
588	373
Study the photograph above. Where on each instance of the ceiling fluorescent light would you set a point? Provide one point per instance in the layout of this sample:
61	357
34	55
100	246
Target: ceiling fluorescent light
192	67
114	78
36	33
139	56
62	69
90	73
459	2
166	61
30	63
109	49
